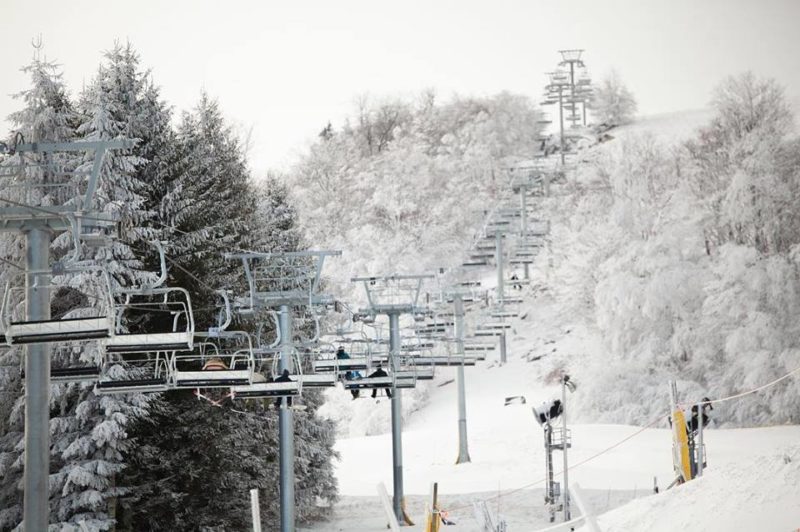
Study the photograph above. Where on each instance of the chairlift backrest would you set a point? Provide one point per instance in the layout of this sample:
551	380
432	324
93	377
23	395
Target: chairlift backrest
87	315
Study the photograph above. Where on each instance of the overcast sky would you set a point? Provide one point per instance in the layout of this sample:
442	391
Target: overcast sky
285	68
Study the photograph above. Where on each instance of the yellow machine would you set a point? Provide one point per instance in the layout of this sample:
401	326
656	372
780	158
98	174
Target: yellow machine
681	454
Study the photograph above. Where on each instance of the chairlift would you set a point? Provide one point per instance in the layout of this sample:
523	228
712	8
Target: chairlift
135	373
80	314
67	373
139	309
208	366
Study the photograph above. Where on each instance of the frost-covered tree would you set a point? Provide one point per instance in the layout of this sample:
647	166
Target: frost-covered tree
743	166
612	103
412	201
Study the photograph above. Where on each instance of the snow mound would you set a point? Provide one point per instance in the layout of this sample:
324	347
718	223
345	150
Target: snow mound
761	493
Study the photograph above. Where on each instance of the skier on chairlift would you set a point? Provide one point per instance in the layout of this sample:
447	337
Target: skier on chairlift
283	378
379	372
341	354
516	285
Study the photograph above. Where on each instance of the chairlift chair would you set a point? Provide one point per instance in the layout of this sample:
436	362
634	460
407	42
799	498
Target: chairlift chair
207	366
142	303
136	373
88	316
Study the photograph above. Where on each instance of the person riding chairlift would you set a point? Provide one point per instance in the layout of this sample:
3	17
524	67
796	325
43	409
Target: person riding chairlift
284	378
215	364
379	372
341	354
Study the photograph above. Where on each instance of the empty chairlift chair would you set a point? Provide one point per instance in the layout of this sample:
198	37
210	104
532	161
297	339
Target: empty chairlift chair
156	319
78	313
134	373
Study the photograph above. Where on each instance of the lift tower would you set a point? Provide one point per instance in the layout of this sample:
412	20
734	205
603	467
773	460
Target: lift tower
45	190
285	281
394	295
572	59
554	94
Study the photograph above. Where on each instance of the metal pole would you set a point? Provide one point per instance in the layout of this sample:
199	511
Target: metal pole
561	119
397	421
500	290
699	439
573	111
583	105
463	450
255	510
499	259
37	387
286	428
550	493
565	440
524	206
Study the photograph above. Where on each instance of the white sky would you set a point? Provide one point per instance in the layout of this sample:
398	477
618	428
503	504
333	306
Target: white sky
286	68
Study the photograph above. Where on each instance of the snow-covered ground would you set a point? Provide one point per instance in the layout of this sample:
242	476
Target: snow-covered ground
753	476
506	449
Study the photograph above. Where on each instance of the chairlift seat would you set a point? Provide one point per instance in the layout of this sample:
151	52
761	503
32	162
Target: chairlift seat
72	374
420	374
213	378
444	360
131	386
75	374
497	325
521	261
479	347
318	381
510	300
150	342
341	365
259	390
488	332
369	383
504	314
66	330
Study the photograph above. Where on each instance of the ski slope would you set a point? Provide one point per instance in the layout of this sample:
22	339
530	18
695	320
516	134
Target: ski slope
753	476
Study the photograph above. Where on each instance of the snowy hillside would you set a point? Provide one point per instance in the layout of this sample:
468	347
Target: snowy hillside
563	330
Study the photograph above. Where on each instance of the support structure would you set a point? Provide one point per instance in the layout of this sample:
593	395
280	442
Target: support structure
37	386
286	426
523	205
554	94
68	205
572	59
393	296
397	419
284	281
463	448
564	383
500	291
551	493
